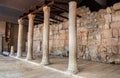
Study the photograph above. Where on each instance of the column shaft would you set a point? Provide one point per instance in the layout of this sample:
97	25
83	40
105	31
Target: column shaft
20	38
12	50
45	46
72	66
30	37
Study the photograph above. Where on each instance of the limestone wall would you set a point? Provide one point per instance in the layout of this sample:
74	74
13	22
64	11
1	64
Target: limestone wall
37	43
98	35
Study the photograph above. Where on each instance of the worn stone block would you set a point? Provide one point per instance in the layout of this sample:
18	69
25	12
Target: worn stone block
115	33
93	52
106	26
60	26
84	38
116	17
109	10
106	34
114	41
116	6
115	25
108	18
65	25
106	42
115	49
115	58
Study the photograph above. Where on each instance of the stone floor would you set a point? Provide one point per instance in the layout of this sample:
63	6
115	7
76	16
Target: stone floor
13	68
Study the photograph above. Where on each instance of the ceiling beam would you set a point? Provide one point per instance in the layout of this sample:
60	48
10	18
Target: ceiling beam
42	20
56	19
38	9
59	15
62	9
59	8
40	16
61	2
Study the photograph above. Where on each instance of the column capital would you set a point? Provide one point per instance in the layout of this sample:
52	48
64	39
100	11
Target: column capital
72	1
45	8
31	16
20	21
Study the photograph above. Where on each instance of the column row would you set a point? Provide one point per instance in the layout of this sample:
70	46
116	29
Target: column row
72	65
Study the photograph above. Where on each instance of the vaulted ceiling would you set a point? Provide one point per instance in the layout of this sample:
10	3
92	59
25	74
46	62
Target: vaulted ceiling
11	10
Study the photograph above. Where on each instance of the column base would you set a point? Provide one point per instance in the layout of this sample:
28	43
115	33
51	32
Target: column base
72	71
29	58
11	54
45	63
18	56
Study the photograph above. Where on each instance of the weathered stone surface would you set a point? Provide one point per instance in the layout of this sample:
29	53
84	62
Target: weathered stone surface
114	41
93	52
109	10
115	58
108	18
116	6
115	25
116	16
115	33
106	34
102	53
98	35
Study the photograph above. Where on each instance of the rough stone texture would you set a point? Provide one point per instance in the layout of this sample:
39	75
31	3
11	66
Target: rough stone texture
0	42
116	6
2	32
98	35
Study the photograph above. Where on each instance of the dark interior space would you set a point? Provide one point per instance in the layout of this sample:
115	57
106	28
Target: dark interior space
94	6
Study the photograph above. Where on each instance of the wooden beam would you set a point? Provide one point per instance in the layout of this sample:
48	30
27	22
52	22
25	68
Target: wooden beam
39	13
59	15
40	16
36	19
61	2
59	8
56	19
39	9
62	9
53	22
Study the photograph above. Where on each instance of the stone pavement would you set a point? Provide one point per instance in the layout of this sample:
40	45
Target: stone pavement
12	68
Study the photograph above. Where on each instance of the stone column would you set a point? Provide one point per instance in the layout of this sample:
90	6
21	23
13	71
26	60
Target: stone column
12	51
45	46
30	37
72	66
20	38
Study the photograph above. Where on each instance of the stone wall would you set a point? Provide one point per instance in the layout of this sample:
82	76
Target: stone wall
2	32
8	31
98	35
37	44
0	43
